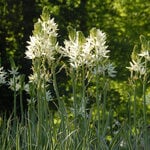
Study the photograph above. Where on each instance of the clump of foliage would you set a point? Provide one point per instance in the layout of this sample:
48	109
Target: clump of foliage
73	125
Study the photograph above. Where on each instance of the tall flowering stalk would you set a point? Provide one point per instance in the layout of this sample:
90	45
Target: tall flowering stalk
139	68
88	57
14	85
15	81
42	49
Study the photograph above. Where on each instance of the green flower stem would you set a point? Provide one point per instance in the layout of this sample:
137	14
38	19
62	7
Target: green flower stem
98	107
145	116
104	103
37	69
75	103
145	109
20	93
74	84
29	137
21	104
61	104
40	118
83	92
84	106
15	98
61	107
134	114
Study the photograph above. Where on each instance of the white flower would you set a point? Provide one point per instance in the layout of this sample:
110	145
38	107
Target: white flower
26	87
43	42
98	42
74	50
35	77
137	66
86	51
145	54
31	101
111	70
33	48
14	83
14	71
100	70
49	27
104	69
48	96
2	76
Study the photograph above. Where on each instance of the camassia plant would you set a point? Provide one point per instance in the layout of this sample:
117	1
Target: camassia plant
72	126
139	69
